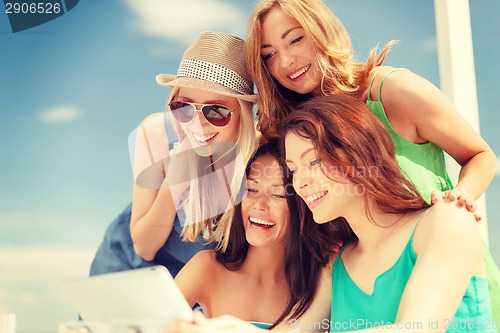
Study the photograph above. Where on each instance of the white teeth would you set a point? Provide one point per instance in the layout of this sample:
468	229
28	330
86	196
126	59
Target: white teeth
203	138
299	73
260	221
315	197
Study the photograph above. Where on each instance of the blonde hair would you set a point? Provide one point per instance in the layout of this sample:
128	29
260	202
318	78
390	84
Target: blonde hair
218	227
341	73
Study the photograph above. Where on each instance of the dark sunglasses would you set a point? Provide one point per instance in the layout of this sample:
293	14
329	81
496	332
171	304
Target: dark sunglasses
217	115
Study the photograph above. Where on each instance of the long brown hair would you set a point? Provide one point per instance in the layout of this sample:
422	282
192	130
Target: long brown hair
341	121
303	264
341	73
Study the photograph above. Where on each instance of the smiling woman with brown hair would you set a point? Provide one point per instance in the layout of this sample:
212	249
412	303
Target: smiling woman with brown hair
407	263
267	273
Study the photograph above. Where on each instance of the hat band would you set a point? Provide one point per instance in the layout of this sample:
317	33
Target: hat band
208	71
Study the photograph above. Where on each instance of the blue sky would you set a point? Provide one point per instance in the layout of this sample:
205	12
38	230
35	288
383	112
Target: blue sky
73	89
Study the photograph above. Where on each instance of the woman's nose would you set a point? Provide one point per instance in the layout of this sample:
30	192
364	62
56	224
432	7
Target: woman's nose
287	59
199	120
261	203
301	179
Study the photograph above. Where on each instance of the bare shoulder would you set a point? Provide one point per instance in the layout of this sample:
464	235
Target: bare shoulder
411	103
446	213
204	258
403	87
446	222
195	276
154	125
199	267
154	120
395	86
202	262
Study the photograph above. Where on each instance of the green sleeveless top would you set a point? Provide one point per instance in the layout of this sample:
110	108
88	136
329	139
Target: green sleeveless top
353	309
423	164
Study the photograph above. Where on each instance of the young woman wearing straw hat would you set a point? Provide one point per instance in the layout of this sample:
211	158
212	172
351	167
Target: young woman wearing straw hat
179	194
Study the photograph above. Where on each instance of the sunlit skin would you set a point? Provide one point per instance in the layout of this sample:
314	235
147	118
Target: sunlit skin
261	277
290	58
328	197
205	138
289	54
264	208
438	244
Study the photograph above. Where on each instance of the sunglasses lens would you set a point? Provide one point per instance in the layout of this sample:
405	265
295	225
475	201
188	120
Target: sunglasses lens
183	112
217	115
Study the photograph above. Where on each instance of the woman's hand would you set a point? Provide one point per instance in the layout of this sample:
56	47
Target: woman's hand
462	196
336	246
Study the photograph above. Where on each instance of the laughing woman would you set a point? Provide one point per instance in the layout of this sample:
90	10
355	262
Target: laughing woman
267	273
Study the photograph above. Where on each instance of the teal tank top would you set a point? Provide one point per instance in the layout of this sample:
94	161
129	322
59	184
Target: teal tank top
423	164
353	309
265	326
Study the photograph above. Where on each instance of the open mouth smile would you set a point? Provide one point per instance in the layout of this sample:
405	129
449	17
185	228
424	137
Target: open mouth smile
204	139
313	198
260	223
298	73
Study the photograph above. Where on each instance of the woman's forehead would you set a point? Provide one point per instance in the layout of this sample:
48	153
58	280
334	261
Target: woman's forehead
203	96
266	169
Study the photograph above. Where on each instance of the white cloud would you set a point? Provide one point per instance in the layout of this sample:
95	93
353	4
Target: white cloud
184	20
60	114
429	44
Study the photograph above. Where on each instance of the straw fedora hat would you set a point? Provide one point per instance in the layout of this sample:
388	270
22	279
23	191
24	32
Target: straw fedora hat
214	62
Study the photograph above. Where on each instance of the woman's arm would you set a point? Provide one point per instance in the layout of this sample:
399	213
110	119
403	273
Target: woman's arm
152	221
196	277
420	112
153	209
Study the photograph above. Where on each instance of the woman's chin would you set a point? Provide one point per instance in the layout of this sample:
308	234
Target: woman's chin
321	218
203	151
215	148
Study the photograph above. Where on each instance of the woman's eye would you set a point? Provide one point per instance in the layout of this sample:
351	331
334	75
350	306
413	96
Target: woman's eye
251	190
296	40
268	56
279	196
314	162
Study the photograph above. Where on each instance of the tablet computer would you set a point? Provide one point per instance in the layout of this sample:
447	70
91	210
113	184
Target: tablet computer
144	293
